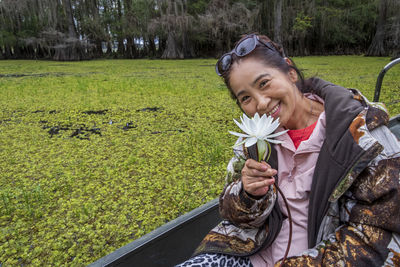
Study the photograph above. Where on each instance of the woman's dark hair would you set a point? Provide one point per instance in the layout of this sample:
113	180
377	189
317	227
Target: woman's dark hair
271	58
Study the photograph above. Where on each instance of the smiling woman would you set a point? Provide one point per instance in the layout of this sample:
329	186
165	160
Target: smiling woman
269	91
336	155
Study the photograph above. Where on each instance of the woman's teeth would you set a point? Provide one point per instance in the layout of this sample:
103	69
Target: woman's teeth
273	110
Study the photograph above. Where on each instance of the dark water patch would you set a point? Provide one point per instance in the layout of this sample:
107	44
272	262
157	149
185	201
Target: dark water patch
42	111
97	112
59	65
46	74
56	130
2	121
13	75
149	109
158	132
82	132
128	126
138	74
84	74
223	121
19	75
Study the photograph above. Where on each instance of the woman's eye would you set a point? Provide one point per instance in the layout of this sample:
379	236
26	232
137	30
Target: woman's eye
243	99
263	83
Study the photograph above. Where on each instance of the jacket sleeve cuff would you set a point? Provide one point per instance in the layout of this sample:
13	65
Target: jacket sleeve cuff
243	210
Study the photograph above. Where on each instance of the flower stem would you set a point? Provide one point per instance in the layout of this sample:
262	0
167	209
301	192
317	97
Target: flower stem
269	151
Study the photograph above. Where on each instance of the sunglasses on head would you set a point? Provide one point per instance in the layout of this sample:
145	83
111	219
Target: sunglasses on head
243	48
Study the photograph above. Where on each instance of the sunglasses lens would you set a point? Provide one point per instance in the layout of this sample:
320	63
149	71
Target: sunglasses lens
245	47
224	63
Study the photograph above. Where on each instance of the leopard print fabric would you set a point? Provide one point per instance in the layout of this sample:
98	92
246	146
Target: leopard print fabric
216	260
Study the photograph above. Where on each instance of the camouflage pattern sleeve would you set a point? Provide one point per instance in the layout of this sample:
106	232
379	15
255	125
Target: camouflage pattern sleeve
245	225
236	205
242	210
369	215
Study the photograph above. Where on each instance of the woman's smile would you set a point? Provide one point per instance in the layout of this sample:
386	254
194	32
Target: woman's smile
265	90
275	110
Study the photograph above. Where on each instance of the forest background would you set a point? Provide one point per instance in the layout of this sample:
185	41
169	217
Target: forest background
87	29
82	169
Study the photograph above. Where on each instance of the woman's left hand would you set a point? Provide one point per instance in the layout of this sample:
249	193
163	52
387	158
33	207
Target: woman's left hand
257	177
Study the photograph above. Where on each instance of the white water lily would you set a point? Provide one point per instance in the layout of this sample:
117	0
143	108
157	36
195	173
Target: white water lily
259	130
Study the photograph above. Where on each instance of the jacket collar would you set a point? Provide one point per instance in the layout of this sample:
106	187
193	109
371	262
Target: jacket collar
348	102
347	150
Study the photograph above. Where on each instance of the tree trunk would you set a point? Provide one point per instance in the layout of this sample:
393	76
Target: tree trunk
109	48
130	48
70	19
98	37
41	52
377	47
172	51
120	38
278	22
8	52
121	46
152	47
69	47
17	53
218	48
187	49
161	46
98	48
394	44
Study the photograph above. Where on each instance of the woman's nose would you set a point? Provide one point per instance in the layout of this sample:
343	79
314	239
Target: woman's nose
262	104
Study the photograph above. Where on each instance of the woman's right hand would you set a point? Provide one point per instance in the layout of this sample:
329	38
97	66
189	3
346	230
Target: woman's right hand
257	177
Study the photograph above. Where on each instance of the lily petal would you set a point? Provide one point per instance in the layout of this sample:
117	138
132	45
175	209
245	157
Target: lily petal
245	123
274	125
256	118
240	143
250	141
259	129
274	141
243	128
239	134
277	134
262	125
252	127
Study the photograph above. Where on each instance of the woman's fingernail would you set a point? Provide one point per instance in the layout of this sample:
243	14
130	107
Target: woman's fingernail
264	168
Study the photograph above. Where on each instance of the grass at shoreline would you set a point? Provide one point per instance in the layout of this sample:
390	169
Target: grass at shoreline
96	154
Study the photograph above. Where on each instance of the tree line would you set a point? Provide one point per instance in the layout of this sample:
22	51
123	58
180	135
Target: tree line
85	29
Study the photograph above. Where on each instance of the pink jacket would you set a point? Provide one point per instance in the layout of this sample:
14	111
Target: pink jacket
295	172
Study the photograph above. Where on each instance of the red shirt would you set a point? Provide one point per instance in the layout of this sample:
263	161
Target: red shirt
301	134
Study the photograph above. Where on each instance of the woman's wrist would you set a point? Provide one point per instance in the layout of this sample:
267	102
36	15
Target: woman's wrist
253	196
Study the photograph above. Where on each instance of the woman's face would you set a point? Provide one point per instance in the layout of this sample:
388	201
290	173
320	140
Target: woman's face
265	90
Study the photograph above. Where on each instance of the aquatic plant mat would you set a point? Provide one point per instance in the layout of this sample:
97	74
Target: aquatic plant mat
96	154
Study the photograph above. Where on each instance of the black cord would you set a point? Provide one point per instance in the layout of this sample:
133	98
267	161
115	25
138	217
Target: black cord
290	224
